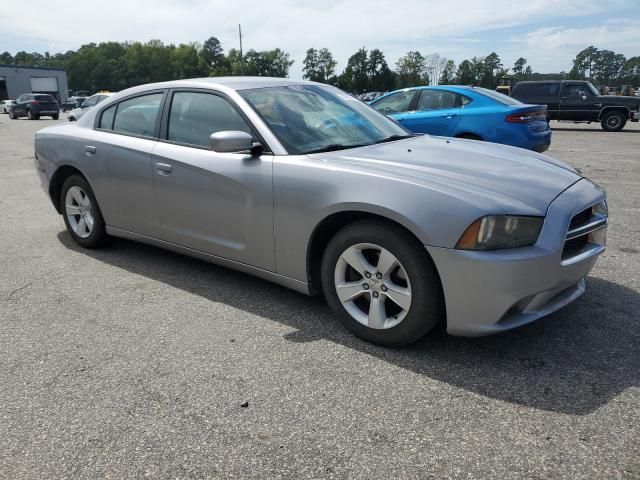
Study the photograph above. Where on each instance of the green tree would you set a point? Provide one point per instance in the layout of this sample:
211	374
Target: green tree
410	70
311	66
380	76
212	53
518	68
355	76
448	74
6	58
326	65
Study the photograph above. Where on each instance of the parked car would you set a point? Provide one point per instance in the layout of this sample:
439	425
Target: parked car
304	185
6	105
35	105
579	101
72	103
468	112
92	101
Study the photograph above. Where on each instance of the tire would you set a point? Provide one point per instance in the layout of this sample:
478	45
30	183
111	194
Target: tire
55	117
414	274
32	116
76	196
613	121
72	119
12	116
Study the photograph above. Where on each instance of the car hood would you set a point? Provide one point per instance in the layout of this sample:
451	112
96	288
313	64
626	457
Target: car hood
631	102
496	178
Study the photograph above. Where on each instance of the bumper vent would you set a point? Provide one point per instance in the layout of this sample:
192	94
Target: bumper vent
587	232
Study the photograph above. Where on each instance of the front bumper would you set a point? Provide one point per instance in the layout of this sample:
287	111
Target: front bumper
493	291
635	117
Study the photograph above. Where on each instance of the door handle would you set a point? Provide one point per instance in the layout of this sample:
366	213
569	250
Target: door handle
597	105
449	116
90	150
164	168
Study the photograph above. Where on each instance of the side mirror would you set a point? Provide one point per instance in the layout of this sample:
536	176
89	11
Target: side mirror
584	97
232	141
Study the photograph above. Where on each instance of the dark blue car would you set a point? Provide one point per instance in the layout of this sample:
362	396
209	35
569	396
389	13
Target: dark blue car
468	112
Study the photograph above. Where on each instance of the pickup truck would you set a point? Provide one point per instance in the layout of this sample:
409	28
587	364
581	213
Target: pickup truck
579	102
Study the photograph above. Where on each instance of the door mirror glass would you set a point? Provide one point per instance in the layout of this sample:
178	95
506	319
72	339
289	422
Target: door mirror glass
231	141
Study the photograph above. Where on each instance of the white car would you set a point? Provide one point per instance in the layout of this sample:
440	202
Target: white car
6	105
77	113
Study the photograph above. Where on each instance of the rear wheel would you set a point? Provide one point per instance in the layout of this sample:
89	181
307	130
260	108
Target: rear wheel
32	116
12	115
381	283
55	117
81	213
613	121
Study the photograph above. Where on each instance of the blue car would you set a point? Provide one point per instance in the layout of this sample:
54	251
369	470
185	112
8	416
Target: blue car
468	112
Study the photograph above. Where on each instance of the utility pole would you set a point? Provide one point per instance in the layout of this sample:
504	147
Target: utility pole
241	54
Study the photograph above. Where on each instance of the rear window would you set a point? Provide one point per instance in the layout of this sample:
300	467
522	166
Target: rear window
536	89
498	97
44	98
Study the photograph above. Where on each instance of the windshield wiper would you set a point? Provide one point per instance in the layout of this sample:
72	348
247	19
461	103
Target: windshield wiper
393	138
333	147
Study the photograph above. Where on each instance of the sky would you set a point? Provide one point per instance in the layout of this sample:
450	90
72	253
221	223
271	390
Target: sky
548	33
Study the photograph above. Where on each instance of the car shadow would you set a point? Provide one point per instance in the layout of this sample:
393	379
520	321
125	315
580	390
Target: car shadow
573	361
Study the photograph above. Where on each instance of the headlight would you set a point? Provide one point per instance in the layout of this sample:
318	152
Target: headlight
494	232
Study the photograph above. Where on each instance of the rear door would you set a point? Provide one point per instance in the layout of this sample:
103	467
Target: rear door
437	112
577	103
125	134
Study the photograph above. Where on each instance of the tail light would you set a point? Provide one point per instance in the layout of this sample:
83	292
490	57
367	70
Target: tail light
526	117
34	102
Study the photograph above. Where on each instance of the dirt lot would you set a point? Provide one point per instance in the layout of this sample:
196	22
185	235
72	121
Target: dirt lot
134	362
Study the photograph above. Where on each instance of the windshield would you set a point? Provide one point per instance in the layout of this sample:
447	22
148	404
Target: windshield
498	97
314	118
593	89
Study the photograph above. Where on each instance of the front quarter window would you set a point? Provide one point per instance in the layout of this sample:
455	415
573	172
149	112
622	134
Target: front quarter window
395	103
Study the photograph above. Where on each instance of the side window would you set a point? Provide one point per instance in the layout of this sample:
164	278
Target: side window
195	116
395	103
574	90
551	89
91	101
438	100
137	116
106	120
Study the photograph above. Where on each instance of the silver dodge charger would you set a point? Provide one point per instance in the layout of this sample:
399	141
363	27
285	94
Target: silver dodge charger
302	184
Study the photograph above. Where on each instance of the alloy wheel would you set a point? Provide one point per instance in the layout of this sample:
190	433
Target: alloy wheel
372	286
79	211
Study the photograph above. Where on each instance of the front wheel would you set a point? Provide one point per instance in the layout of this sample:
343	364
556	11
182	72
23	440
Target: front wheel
381	283
613	121
81	213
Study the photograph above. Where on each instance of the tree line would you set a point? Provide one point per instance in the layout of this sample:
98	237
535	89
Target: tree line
118	65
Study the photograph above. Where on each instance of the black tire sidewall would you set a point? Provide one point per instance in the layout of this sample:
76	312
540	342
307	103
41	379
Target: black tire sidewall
98	235
427	308
623	121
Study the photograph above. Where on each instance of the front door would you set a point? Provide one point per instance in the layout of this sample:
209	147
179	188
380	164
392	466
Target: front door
218	203
437	113
577	103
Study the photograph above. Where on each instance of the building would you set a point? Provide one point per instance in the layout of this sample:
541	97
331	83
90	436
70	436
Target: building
18	79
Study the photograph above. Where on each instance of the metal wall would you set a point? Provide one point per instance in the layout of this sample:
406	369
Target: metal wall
18	80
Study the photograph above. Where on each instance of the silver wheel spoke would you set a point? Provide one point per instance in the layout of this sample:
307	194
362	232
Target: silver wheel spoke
399	295
377	313
349	291
72	209
386	263
77	196
89	221
354	257
82	227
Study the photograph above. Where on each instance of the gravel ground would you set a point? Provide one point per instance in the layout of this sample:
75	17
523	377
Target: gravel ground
133	362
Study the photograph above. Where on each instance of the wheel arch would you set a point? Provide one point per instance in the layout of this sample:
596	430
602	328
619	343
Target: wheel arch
469	136
615	108
330	225
57	180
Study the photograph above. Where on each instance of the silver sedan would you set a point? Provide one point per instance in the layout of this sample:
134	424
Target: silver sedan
302	184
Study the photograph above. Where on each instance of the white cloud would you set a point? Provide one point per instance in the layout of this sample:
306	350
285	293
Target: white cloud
457	28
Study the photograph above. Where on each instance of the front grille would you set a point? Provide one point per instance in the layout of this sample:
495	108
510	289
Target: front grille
583	231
